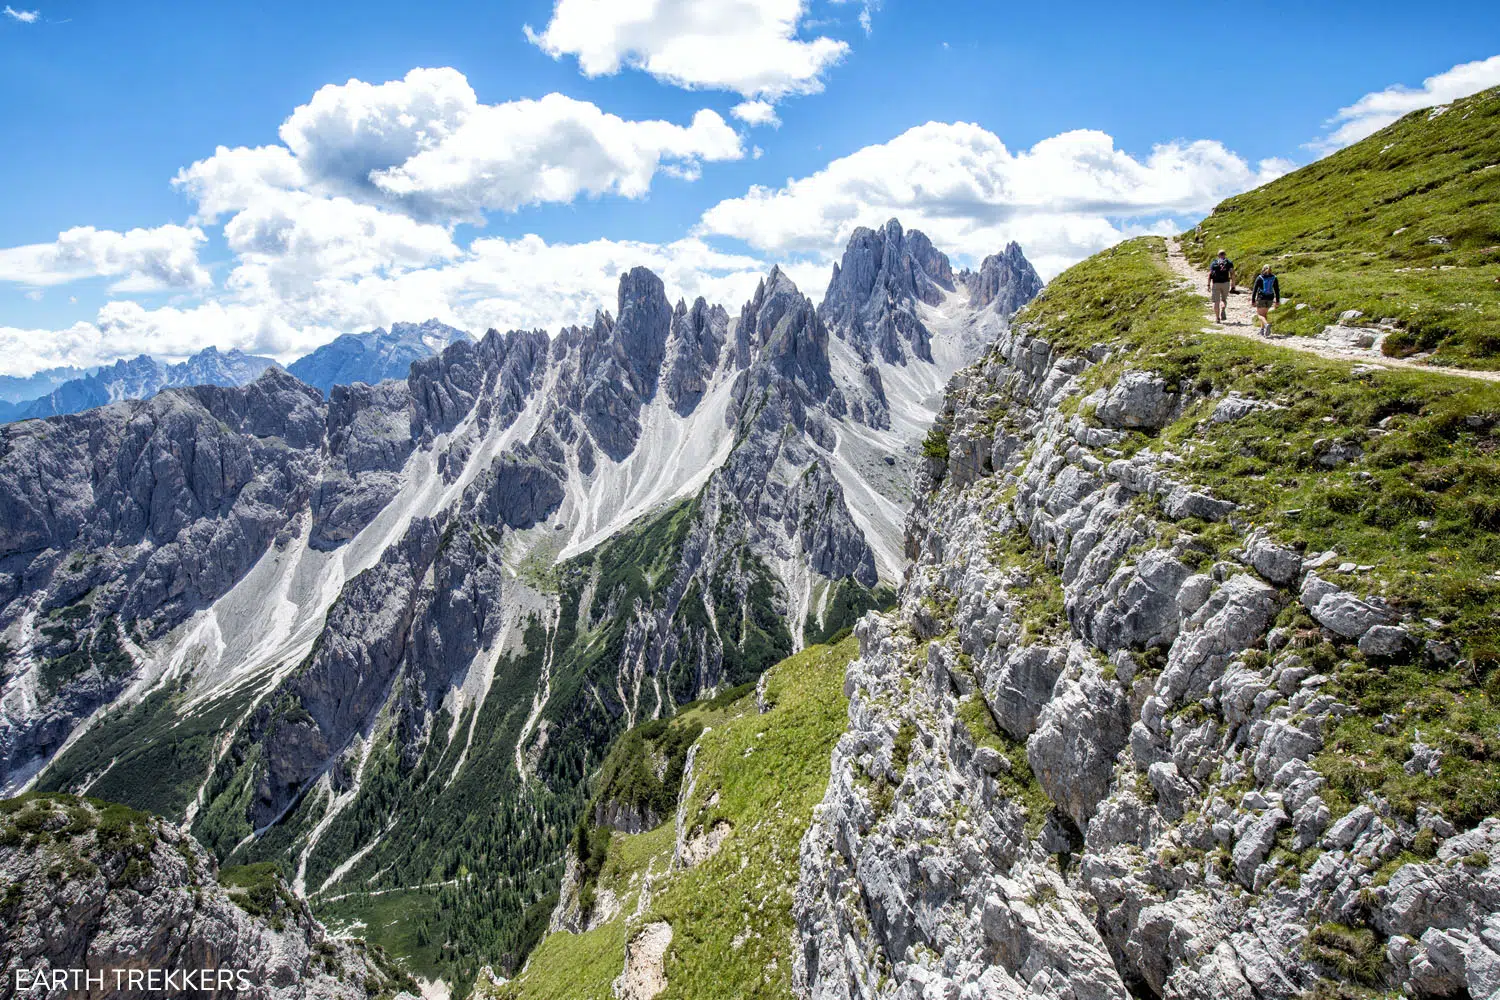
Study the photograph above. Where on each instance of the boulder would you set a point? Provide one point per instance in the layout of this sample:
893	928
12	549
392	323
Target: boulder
1338	610
1278	563
1137	400
1385	642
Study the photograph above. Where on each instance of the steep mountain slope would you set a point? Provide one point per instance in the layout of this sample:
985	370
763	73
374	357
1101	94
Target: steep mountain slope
142	377
94	888
375	356
1184	687
704	857
1188	688
321	630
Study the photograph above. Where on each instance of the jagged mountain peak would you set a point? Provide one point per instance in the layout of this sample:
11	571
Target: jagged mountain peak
726	481
143	376
640	332
874	290
1004	282
781	327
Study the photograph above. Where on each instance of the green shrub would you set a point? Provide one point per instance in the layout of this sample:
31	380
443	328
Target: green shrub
1354	953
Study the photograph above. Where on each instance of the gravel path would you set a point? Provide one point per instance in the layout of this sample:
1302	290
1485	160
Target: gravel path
1240	324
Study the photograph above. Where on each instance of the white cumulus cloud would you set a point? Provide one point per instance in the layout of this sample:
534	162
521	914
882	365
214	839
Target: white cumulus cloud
232	180
756	113
551	150
142	260
750	47
348	223
425	145
1375	111
1064	198
24	16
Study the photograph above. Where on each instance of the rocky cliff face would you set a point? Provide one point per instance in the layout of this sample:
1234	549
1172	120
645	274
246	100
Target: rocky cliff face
100	889
1080	757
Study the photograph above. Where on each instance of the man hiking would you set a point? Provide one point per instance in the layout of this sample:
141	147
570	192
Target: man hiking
1266	295
1220	284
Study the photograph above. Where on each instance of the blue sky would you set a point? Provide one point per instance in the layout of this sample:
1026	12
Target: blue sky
511	179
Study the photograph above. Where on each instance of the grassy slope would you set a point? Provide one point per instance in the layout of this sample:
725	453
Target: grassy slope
731	915
1354	231
1421	508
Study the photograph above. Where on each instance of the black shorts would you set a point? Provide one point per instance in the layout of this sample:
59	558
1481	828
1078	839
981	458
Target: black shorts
1264	301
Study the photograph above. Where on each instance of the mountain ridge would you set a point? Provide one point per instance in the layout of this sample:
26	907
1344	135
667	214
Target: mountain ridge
487	570
140	377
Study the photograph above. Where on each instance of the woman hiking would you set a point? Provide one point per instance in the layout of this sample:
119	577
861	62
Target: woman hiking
1266	295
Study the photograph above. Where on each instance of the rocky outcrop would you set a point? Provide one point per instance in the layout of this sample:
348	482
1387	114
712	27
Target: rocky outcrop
370	438
1079	760
694	347
780	329
104	890
645	956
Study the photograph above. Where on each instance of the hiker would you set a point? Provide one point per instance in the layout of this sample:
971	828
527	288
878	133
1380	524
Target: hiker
1266	294
1220	284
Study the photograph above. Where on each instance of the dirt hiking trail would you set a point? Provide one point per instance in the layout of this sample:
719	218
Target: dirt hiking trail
1241	324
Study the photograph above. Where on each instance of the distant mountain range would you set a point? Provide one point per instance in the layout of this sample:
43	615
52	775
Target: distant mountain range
140	378
23	388
363	357
375	356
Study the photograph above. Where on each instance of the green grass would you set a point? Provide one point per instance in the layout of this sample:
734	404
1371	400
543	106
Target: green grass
1353	952
394	921
1419	507
571	966
1449	713
1018	782
1043	609
259	890
1354	231
731	915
